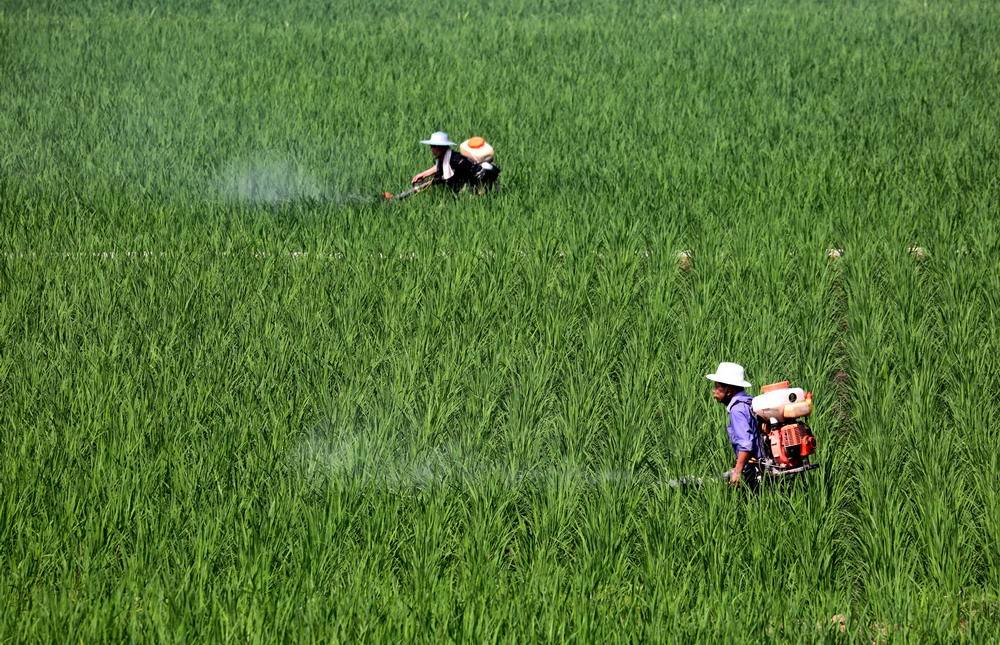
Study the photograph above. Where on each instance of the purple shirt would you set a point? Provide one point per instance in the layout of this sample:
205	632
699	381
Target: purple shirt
742	431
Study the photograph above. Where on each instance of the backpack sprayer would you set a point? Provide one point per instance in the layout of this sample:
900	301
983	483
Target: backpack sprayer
786	440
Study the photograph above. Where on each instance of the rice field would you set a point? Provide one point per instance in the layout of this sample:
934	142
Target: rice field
244	400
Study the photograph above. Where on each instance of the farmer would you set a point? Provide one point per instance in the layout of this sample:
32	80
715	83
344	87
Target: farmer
452	168
743	434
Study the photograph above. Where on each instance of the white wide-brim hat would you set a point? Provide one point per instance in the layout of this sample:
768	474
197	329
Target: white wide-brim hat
729	374
439	139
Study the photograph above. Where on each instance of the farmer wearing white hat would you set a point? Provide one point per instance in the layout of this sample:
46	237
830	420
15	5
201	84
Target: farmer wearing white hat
730	391
450	167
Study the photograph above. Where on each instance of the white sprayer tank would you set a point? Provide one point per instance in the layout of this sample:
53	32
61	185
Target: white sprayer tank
476	149
781	405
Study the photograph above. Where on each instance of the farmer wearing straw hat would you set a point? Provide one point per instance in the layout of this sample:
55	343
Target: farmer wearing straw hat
730	391
450	167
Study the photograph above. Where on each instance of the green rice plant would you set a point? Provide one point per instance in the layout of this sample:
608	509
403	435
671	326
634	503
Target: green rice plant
244	400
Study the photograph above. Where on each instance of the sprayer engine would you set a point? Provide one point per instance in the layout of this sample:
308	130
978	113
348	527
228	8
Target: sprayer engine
789	445
787	440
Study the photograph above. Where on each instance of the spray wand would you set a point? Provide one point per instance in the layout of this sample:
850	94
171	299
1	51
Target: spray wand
410	192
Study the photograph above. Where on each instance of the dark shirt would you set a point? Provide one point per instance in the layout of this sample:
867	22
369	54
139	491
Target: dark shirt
464	168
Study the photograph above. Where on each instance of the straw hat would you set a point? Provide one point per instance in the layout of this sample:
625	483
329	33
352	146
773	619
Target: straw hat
439	139
729	374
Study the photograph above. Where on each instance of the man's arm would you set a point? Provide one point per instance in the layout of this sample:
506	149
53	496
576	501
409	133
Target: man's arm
742	439
419	177
741	461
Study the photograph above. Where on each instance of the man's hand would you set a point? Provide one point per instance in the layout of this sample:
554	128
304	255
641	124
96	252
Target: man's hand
419	177
742	458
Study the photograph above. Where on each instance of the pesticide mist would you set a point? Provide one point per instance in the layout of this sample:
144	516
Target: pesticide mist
380	461
273	181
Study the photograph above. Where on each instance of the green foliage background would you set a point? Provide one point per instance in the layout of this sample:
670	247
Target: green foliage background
313	416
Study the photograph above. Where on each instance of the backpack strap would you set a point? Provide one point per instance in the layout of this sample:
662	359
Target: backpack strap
754	419
735	401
